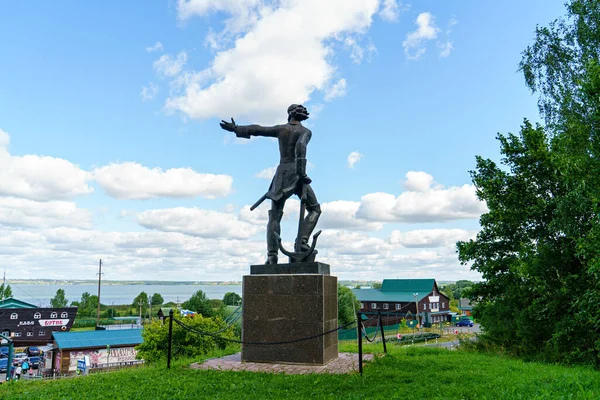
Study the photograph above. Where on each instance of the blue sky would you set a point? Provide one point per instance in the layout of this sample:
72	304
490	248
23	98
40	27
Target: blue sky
110	145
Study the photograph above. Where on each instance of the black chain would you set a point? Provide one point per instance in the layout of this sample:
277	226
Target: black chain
189	328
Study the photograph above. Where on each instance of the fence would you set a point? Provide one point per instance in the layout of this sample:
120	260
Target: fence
360	329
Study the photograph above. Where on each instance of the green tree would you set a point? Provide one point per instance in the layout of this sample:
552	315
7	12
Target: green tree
539	247
141	300
376	285
199	303
348	305
5	292
59	300
185	343
157	299
232	299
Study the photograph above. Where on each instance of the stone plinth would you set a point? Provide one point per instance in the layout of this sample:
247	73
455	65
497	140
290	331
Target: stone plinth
285	307
291	268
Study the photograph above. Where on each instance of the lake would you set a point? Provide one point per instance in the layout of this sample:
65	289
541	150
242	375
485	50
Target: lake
40	294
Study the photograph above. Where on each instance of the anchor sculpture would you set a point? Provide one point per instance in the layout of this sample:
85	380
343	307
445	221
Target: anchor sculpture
300	255
290	178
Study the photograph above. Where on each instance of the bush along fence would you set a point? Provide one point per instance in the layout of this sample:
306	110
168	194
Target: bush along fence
216	335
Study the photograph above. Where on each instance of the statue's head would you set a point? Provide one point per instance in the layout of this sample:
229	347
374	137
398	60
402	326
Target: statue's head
298	112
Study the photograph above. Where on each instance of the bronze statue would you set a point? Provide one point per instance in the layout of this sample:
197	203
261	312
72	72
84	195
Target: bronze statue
289	179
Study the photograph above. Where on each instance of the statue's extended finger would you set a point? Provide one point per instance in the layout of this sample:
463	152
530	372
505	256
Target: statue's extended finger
232	121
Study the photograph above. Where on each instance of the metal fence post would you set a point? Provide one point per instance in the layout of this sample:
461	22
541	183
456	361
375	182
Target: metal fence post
170	338
359	336
382	333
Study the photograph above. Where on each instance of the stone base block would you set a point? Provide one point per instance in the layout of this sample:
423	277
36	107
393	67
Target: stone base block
291	268
286	307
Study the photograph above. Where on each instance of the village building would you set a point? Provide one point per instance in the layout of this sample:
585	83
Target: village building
27	324
105	349
405	299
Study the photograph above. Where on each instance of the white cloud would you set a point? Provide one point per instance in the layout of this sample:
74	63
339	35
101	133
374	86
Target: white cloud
131	180
338	89
148	92
267	173
429	238
281	56
414	44
39	177
243	12
342	214
17	212
197	222
353	158
389	10
168	66
433	205
4	139
344	242
446	48
158	46
418	181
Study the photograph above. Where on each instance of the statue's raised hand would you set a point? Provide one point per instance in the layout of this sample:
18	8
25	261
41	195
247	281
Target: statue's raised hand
228	126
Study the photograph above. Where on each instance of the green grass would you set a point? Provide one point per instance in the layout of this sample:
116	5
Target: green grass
406	373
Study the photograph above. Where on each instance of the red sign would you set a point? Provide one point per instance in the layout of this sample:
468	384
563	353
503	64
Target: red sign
53	322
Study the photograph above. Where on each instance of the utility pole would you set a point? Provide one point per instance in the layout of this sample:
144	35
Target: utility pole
140	303
99	282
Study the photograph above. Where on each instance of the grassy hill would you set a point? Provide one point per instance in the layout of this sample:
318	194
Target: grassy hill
405	373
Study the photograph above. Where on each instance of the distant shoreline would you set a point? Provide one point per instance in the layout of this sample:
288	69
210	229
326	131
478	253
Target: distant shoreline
109	282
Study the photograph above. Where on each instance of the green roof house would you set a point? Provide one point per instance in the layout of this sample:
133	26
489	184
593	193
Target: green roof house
405	299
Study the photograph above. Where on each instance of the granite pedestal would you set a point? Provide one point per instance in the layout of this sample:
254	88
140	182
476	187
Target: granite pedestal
290	305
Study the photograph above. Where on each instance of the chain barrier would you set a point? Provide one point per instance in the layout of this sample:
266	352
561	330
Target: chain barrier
214	334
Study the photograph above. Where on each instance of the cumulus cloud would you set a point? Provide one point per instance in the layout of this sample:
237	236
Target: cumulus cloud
158	46
345	242
131	180
197	222
389	10
433	205
429	238
276	41
148	92
267	173
342	214
39	177
338	89
418	181
16	212
353	158
446	48
167	66
414	44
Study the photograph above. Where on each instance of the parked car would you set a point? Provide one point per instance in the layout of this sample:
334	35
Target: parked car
34	362
18	358
3	364
4	352
465	322
33	351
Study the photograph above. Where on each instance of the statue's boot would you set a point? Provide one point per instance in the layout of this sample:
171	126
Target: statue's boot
273	229
308	226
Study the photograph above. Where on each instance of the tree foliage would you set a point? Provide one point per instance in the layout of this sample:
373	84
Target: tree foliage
199	303
59	300
185	343
232	299
539	246
348	305
157	299
5	292
87	306
456	290
141	300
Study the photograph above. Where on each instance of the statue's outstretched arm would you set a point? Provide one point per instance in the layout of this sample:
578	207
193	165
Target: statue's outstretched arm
245	131
257	130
